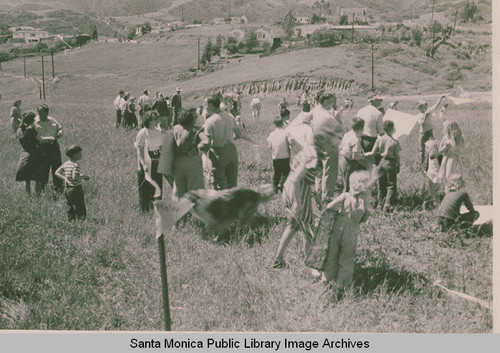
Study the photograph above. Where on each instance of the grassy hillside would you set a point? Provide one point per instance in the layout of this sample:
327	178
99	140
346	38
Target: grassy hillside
103	274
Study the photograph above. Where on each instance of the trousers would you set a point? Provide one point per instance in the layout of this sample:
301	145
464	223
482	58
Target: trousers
225	167
75	202
281	169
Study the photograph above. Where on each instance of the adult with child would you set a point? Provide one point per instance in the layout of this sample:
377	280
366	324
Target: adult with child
351	153
298	187
425	124
388	149
187	167
448	213
16	115
48	133
451	148
148	144
221	129
71	174
327	136
29	166
280	154
118	104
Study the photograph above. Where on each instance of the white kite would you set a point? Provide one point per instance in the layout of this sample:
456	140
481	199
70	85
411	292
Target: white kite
403	122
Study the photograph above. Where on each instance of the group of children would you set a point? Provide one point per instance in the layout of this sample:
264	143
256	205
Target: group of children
336	254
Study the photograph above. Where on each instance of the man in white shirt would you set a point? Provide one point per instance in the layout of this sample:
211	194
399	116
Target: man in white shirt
373	119
144	103
118	103
327	136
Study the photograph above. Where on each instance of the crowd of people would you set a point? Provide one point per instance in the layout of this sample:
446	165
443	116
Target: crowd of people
310	154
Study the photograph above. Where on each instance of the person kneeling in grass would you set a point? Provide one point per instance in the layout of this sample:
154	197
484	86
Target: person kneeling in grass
448	213
352	208
69	171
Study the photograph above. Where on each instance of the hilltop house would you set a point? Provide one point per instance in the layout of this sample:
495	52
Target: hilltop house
29	34
359	14
271	35
237	34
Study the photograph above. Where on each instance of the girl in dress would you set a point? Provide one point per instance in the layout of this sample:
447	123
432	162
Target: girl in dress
450	148
29	166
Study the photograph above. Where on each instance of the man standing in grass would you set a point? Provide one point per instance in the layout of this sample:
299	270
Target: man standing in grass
220	128
144	103
177	103
48	132
327	136
118	104
373	118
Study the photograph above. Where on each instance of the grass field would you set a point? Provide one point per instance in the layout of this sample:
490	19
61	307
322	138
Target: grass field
103	274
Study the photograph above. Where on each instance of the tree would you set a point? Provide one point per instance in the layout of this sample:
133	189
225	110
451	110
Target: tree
93	32
316	19
416	35
322	8
131	33
146	28
289	24
231	45
469	11
344	20
251	42
218	45
206	57
324	37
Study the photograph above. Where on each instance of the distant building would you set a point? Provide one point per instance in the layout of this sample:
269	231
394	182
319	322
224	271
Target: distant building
176	25
237	34
270	35
303	20
304	31
359	14
29	34
232	20
159	29
138	31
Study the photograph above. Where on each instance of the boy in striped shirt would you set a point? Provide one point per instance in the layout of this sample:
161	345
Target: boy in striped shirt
69	171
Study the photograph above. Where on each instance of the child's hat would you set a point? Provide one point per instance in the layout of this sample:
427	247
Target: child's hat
72	150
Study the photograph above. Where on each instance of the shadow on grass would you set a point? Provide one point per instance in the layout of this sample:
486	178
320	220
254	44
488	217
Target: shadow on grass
369	279
249	233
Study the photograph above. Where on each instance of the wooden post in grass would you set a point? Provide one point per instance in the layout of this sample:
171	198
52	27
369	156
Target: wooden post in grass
40	89
52	58
24	66
164	283
43	78
373	82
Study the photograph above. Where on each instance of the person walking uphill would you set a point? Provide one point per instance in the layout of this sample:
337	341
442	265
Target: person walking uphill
48	133
188	167
327	136
70	173
148	144
220	128
30	166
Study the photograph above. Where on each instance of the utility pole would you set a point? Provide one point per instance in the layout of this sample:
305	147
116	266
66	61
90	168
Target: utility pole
373	81
198	53
352	30
52	57
229	13
411	13
43	78
24	66
1	65
182	13
433	29
455	23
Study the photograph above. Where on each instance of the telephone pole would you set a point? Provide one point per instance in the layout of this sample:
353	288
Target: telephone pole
43	79
52	57
198	53
455	23
24	66
352	30
433	29
373	76
411	13
182	13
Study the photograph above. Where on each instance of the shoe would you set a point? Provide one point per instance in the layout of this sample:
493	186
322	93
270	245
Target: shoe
279	264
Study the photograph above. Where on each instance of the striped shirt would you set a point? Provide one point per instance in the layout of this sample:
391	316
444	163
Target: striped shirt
71	171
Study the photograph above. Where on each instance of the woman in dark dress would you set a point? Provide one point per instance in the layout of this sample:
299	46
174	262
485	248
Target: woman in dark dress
29	166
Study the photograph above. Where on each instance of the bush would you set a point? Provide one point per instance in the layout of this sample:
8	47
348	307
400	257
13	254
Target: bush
324	37
416	36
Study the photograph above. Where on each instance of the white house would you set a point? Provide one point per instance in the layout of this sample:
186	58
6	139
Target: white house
302	20
265	34
237	34
232	20
359	14
29	34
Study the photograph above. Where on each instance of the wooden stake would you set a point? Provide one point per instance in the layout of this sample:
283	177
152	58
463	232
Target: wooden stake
455	23
198	53
373	81
52	57
164	283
